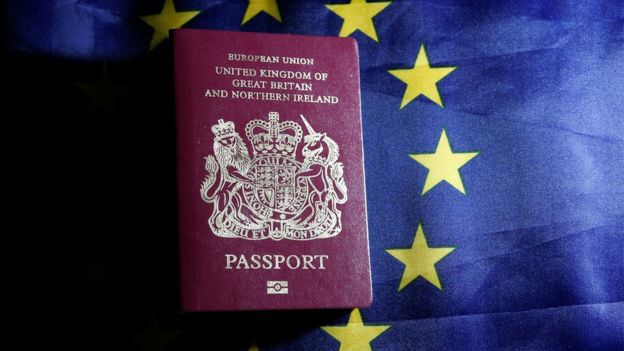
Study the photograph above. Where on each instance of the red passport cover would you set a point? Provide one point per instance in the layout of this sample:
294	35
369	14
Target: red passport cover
272	206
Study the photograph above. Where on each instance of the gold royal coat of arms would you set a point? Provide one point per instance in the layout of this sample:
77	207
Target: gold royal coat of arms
278	193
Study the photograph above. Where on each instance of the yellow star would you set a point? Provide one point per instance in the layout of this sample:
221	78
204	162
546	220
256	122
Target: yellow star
358	14
102	94
168	18
444	165
355	336
421	79
420	260
257	6
254	347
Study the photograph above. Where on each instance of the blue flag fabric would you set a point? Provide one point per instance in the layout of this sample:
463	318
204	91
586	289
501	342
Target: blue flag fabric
534	217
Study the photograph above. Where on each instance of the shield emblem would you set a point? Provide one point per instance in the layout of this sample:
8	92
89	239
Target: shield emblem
275	186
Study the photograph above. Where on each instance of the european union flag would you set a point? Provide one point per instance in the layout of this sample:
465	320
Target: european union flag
494	147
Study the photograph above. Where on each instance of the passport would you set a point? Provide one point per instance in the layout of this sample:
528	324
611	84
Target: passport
271	191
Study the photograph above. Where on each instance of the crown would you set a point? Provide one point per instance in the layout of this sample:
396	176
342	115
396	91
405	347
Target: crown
223	129
273	137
